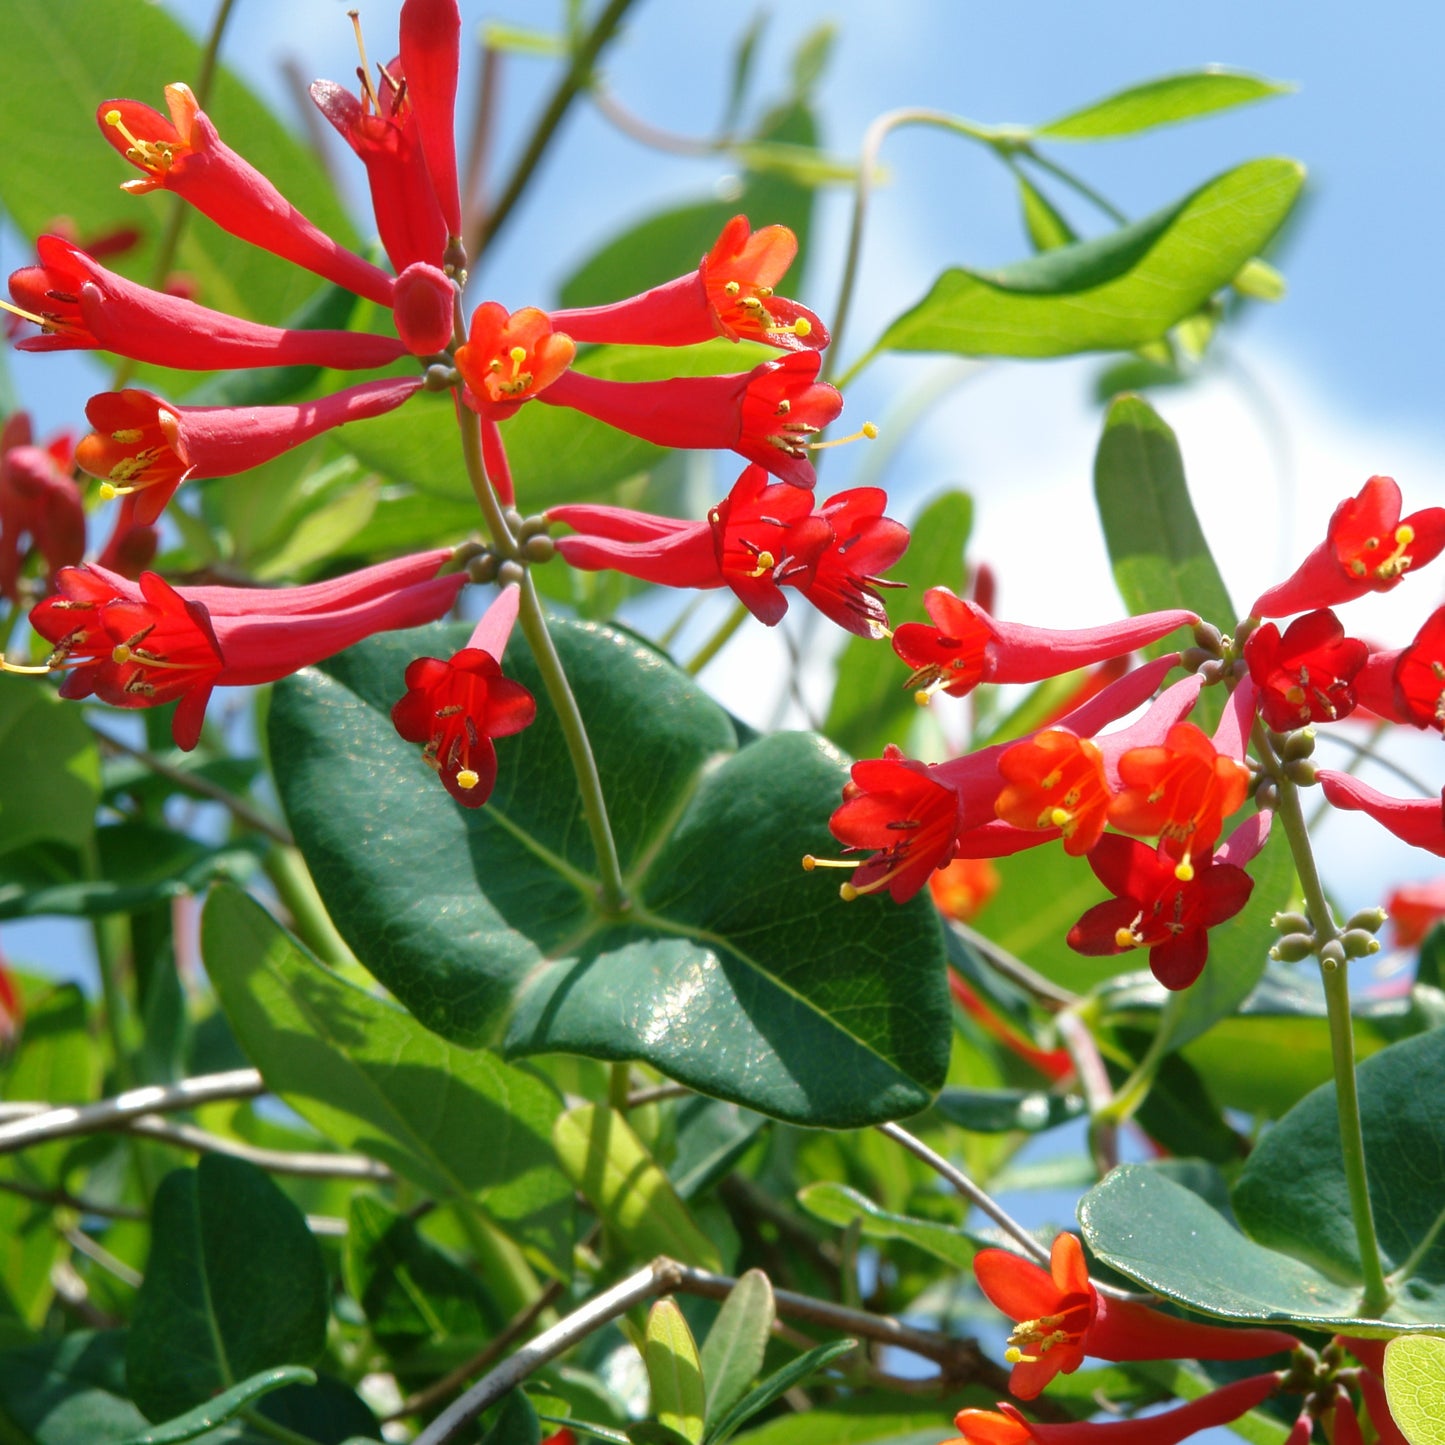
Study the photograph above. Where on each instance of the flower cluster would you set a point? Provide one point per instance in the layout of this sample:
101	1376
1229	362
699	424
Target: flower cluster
1164	786
138	644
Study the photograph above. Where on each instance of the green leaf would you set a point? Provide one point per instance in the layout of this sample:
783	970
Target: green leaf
711	1137
70	1391
1399	1089
841	1205
76	57
673	1371
222	1407
459	1123
887	1423
485	922
207	1317
732	1353
49	768
1047	229
998	1111
514	1422
410	1289
1166	101
871	707
1118	292
1415	1387
1156	546
611	1167
776	1385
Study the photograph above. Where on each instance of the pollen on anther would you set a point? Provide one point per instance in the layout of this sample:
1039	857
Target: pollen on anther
847	892
1184	872
467	779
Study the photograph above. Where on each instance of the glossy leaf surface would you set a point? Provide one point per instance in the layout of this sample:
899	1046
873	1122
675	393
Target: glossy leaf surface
484	922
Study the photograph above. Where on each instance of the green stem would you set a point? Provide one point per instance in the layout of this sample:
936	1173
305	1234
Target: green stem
619	1087
1135	1089
718	640
533	623
1335	977
1074	183
312	924
568	88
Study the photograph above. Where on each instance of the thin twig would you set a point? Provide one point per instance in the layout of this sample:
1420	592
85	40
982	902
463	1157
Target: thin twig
63	1199
82	1243
191	782
1094	1080
644	133
657	1093
578	75
71	1119
653	1279
278	1161
1045	991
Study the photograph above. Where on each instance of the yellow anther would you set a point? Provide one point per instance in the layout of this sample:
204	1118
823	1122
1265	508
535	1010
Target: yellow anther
1404	534
1052	781
1061	817
847	893
732	288
923	697
112	117
120	654
1184	872
1124	938
128	435
1013	1355
802	327
467	779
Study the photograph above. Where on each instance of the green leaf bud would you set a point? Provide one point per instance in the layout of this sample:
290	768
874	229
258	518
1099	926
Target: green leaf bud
1358	942
1292	923
1299	745
1370	919
1293	948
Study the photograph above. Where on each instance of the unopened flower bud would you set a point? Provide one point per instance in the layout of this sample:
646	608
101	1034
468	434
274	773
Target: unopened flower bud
1193	658
511	574
1358	942
1241	633
1208	639
439	377
1300	771
530	526
514	519
1212	671
1372	920
483	568
1292	923
1332	955
1299	745
1293	948
1266	795
1276	740
539	548
423	308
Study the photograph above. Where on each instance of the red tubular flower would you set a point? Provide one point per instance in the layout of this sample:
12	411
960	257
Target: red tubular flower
423	309
962	890
1305	675
730	294
40	505
842	580
1056	780
1154	908
1179	792
1414	909
381	128
768	414
1367	548
186	156
1420	822
1054	1064
898	808
1418	677
146	447
141	645
1377	1404
455	708
509	359
80	305
1007	1426
965	646
1061	1317
431	33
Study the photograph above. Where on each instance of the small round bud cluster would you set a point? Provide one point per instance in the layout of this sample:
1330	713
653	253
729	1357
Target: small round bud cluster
1266	794
1301	772
1212	671
511	574
1372	920
1298	746
440	377
1209	640
1358	942
1293	948
1333	955
483	568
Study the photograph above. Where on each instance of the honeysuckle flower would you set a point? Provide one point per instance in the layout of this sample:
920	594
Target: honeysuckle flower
1061	1317
768	415
423	308
1056	780
40	505
145	447
147	643
902	808
79	305
1414	909
380	126
1367	548
895	807
964	888
510	358
1155	908
730	294
843	577
430	58
1007	1426
1055	1064
1306	674
964	646
1420	822
185	155
454	708
1416	693
1180	792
